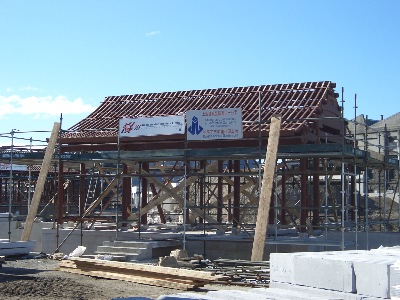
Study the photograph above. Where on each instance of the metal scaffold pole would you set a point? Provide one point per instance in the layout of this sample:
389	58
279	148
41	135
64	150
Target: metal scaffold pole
356	193
11	185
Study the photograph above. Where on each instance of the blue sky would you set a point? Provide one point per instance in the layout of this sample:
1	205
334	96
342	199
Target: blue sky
67	56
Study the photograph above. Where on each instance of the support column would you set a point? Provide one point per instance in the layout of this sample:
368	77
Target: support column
303	195
5	190
230	166
202	180
353	191
187	198
126	195
220	192
19	199
145	167
82	189
283	196
236	194
316	195
60	194
1	190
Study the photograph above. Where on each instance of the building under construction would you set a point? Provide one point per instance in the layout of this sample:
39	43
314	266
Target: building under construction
332	174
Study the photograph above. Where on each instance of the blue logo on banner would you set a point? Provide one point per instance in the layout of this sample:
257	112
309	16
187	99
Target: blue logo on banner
195	128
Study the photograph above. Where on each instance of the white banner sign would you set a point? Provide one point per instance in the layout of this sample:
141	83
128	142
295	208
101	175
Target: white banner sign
151	126
214	124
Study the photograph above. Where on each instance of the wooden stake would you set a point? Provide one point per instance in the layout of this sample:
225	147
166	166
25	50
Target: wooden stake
40	182
266	189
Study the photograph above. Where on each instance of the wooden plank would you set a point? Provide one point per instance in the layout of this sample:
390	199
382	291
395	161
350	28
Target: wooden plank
133	278
266	189
40	183
105	271
128	272
148	268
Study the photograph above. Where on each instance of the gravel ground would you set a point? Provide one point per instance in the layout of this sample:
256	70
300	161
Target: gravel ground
39	278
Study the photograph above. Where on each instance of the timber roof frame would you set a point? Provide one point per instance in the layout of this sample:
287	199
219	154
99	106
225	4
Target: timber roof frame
309	112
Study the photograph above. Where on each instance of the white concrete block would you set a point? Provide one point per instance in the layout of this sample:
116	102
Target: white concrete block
324	272
16	248
282	267
373	277
395	279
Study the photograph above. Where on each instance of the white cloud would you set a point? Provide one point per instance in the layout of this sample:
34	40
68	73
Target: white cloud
42	106
151	33
28	88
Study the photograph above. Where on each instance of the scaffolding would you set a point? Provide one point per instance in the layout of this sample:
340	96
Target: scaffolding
318	188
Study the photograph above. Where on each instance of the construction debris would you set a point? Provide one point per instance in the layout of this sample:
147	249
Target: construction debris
2	260
173	278
168	261
240	272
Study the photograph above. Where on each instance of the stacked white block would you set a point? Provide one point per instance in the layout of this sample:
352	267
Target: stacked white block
395	280
282	266
324	272
369	273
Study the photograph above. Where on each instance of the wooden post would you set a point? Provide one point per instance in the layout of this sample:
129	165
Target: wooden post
40	183
145	167
60	194
220	192
316	196
266	189
82	189
303	195
236	197
126	195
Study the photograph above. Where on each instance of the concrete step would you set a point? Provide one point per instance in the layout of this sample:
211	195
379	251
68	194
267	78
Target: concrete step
135	244
126	250
126	256
137	250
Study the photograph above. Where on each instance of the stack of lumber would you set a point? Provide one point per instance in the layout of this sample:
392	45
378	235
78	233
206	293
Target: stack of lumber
140	273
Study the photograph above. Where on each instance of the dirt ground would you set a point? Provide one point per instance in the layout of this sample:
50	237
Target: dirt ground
39	278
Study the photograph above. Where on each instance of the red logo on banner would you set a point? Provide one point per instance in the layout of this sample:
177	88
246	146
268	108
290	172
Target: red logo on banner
127	127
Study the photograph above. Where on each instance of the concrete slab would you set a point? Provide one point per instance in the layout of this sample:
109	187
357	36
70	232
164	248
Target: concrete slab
395	279
373	277
16	248
325	273
282	266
